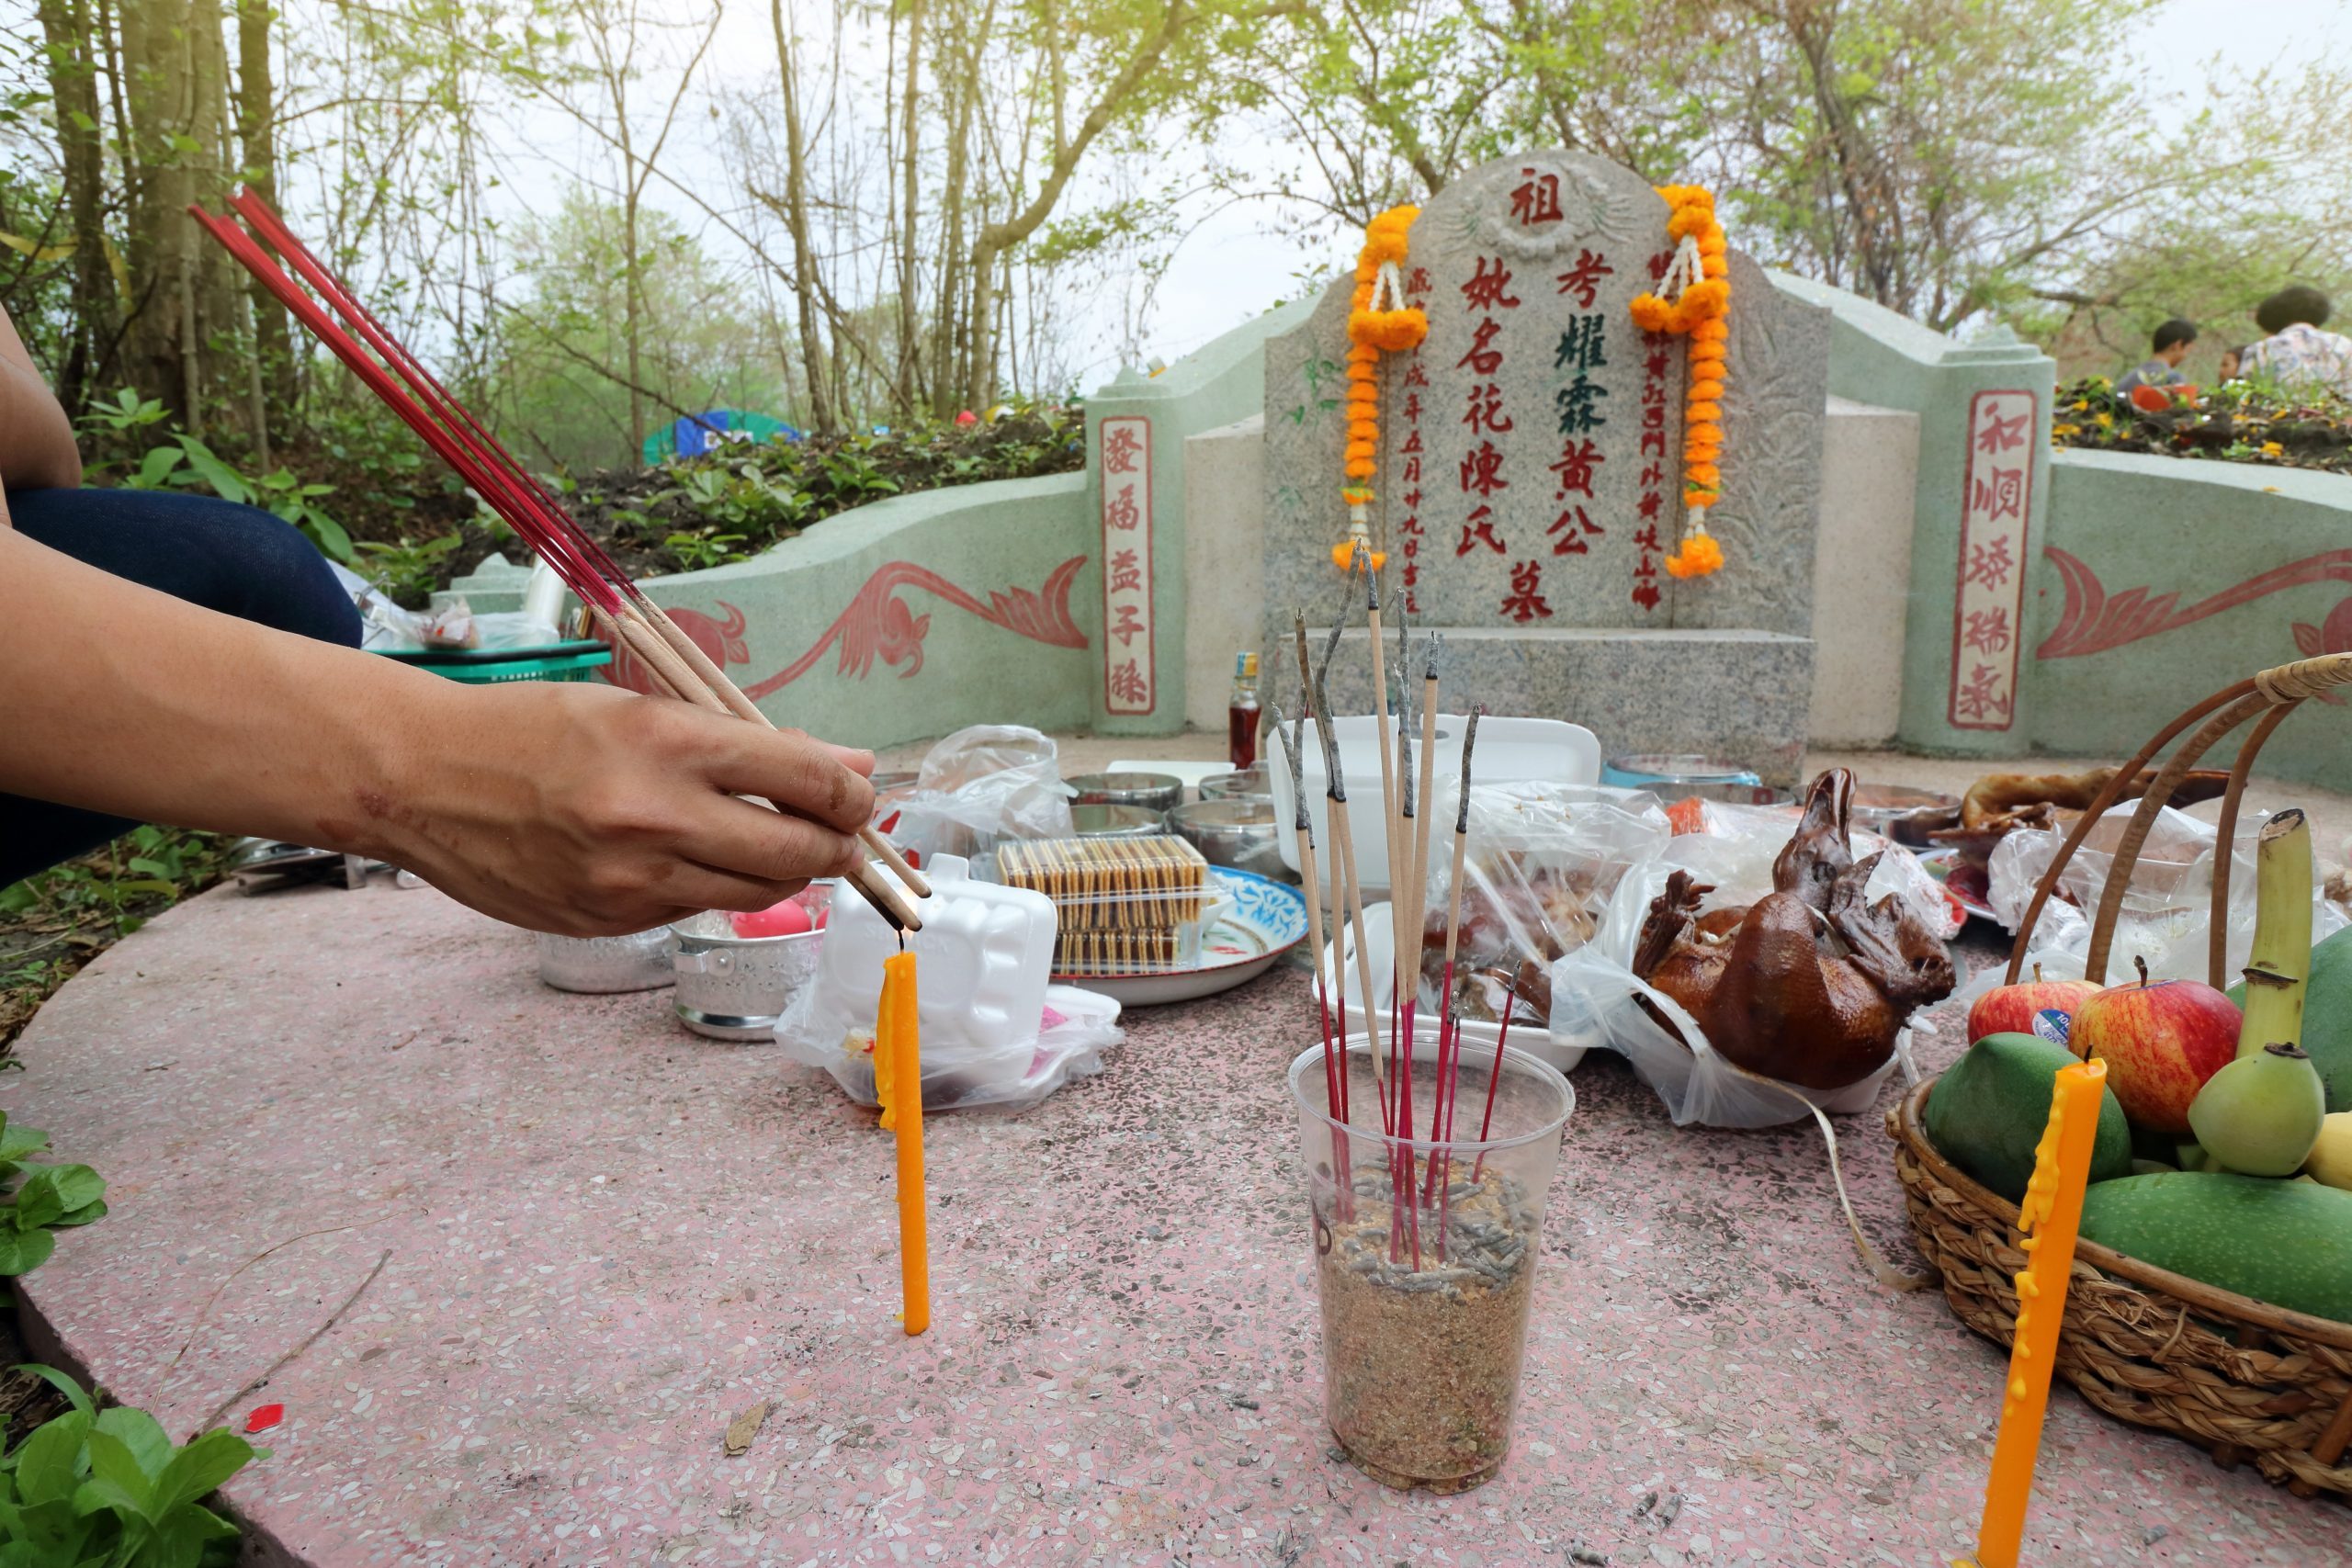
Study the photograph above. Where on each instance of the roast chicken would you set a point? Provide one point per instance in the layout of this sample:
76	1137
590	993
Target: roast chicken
1810	984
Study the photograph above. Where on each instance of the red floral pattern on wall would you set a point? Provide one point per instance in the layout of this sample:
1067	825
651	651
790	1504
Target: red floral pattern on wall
2094	621
878	624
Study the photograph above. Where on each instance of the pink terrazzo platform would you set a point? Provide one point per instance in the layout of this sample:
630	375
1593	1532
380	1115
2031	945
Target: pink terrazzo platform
608	1238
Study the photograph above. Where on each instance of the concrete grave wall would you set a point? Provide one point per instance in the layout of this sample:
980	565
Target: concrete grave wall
911	617
1982	497
1136	480
2163	579
1861	572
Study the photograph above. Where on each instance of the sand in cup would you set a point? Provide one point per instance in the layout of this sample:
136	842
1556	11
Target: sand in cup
1425	1263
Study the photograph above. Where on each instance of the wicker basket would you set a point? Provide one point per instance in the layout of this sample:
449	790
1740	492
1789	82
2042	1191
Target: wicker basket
2242	1380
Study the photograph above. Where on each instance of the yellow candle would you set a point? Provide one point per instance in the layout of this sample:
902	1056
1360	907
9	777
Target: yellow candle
2047	1222
897	1080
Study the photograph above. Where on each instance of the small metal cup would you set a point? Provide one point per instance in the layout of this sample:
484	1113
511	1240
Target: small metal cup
735	987
1240	833
1114	821
1151	791
1252	781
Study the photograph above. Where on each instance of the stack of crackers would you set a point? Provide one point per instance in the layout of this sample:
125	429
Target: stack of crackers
1122	905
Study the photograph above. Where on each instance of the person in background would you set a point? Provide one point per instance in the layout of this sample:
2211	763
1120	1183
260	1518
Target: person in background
2227	370
2297	355
174	658
2171	344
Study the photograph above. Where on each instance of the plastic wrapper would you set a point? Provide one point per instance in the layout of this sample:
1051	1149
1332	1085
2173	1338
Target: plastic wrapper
994	1031
2167	915
1542	863
1121	906
1073	1031
982	786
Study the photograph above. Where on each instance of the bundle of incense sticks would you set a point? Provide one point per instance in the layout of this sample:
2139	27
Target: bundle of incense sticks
1414	1182
619	608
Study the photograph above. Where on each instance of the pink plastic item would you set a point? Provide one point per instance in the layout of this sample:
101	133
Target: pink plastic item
790	917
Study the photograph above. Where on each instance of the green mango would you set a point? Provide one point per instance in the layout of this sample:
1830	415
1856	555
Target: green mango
2286	1243
2327	1015
1986	1114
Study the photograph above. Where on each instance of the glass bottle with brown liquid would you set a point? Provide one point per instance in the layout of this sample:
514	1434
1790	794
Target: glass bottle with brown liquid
1242	713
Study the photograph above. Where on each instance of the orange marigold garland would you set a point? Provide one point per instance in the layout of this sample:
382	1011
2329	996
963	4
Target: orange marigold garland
1701	312
1371	331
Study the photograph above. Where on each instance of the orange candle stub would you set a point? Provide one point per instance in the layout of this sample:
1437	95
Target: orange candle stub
897	1084
2049	1220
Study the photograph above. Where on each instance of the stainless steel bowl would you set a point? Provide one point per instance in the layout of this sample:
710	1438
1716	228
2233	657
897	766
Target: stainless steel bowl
734	987
1114	821
1249	783
602	966
1240	833
1151	791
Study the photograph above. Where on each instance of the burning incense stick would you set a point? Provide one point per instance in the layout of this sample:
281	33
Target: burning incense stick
1339	964
1335	1065
897	1052
1380	709
1449	1015
1343	862
614	602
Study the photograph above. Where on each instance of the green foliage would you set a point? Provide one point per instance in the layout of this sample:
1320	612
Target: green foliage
2251	421
38	1201
690	514
53	922
410	570
183	462
704	340
108	1487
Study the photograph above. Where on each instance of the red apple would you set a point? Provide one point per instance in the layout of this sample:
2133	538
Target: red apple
2160	1043
2009	1010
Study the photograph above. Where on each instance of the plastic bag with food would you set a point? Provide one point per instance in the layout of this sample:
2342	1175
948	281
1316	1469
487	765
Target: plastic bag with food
1540	866
1787	986
2166	920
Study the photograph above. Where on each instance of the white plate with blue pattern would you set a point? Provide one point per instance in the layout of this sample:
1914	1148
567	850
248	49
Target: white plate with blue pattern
1257	920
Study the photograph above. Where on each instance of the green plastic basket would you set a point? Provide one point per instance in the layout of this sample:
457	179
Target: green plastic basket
481	667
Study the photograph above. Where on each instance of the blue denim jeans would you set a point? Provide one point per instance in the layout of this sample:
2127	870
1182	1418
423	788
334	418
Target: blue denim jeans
236	560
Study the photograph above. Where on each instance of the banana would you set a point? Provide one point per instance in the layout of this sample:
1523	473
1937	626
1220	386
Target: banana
2329	1164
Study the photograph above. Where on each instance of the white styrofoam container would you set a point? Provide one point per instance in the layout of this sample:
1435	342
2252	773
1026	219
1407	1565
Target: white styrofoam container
985	952
1511	751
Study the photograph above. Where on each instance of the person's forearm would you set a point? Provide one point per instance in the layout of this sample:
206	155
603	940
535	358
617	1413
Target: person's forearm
576	808
37	449
124	700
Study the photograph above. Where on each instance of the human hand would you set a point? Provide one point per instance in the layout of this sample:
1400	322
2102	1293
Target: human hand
589	811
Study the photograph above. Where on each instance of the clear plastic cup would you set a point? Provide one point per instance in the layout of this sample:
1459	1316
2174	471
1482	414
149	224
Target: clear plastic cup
1425	1254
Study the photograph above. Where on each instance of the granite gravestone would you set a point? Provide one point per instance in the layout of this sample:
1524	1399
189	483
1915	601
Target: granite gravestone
1531	473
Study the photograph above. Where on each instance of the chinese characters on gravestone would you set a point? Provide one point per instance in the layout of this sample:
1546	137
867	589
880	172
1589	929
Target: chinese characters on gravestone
1516	502
1996	501
1129	682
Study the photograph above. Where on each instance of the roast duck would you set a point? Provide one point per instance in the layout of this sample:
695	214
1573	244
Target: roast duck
1810	984
1999	803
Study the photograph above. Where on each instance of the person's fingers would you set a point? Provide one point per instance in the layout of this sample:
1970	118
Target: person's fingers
740	839
856	759
799	776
